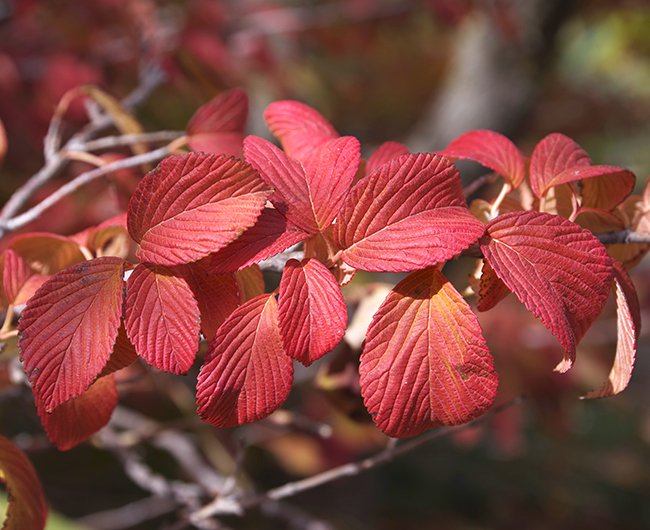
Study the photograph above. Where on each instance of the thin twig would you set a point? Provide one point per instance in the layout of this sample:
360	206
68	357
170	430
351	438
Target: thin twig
624	236
108	142
234	505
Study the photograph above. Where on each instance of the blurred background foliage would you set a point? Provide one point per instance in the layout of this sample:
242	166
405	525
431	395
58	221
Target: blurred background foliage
416	71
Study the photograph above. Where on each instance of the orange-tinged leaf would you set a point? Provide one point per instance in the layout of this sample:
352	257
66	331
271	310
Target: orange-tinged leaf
492	150
560	272
75	420
299	128
217	295
27	507
313	314
218	126
408	214
250	281
425	362
162	318
270	235
247	374
68	329
47	253
607	189
15	274
552	156
385	153
628	318
491	289
190	206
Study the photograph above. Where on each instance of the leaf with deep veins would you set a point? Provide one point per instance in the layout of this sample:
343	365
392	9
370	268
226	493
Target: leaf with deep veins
299	128
492	150
406	215
75	420
68	329
425	362
313	314
560	272
218	126
628	318
247	374
270	235
193	205
27	507
162	318
552	156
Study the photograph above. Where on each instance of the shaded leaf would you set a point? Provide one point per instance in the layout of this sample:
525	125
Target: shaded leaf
47	253
552	156
628	319
190	206
75	420
250	282
15	273
425	362
492	150
560	272
270	235
27	507
385	153
162	318
312	313
491	289
123	353
68	329
299	128
408	214
247	374
218	126
607	190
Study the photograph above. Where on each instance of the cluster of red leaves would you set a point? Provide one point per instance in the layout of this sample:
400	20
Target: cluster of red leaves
202	222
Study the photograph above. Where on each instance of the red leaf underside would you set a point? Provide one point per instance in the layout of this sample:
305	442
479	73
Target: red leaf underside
27	507
491	289
492	150
68	329
247	374
425	362
250	282
15	274
628	319
299	128
162	318
560	272
408	214
608	189
312	313
75	420
123	354
191	206
47	253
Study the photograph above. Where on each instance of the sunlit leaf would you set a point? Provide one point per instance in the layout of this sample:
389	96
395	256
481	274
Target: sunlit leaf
425	362
247	374
68	329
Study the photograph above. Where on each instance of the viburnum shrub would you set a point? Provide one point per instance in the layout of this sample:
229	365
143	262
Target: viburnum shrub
203	221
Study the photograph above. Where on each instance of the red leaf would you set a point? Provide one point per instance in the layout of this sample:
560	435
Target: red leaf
15	273
190	206
47	253
27	507
270	235
608	188
162	318
299	128
385	153
68	329
628	312
217	295
251	283
425	362
560	272
123	354
491	289
313	314
75	420
492	150
406	215
553	155
247	374
218	126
